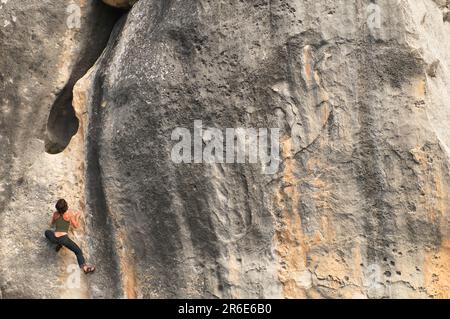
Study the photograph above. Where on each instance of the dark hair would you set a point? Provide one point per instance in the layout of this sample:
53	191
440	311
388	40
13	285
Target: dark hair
61	206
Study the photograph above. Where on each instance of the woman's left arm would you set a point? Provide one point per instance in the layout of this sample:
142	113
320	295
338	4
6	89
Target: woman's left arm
53	219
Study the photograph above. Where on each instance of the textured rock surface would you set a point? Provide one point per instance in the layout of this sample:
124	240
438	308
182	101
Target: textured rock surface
46	46
120	3
359	207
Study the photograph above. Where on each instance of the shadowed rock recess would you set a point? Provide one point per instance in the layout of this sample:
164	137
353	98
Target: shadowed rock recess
359	207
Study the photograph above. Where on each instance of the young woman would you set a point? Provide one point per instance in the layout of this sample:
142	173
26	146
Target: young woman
63	219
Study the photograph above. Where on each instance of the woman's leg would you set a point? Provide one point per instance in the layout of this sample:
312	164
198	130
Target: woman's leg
50	235
67	242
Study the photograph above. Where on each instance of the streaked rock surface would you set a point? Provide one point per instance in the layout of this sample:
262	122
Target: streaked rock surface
120	3
359	207
46	46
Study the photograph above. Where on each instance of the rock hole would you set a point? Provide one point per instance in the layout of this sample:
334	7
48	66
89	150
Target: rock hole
62	123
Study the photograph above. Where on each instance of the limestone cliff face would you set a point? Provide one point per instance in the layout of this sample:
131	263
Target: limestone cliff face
46	46
359	207
120	3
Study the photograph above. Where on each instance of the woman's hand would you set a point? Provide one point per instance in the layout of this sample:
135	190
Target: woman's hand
76	219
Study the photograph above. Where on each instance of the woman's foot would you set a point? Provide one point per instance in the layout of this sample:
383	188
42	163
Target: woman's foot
88	269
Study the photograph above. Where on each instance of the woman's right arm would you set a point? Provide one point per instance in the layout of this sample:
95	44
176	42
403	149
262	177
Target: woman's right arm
74	219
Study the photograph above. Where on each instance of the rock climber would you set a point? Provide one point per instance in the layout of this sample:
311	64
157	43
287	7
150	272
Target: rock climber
63	219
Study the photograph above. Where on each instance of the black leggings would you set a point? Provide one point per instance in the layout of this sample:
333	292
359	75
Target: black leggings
66	242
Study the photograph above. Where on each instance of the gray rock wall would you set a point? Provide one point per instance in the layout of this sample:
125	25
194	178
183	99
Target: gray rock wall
46	46
357	209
